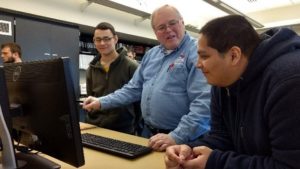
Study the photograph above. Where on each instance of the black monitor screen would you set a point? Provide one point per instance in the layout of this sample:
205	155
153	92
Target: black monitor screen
49	118
4	100
6	145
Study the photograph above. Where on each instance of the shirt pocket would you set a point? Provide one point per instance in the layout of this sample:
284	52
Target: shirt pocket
176	79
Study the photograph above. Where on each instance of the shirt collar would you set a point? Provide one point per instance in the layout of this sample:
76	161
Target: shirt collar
167	51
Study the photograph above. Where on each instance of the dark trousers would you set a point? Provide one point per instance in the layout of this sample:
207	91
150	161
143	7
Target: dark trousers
149	131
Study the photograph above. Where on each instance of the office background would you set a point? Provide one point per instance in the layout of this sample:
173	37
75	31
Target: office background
196	12
50	28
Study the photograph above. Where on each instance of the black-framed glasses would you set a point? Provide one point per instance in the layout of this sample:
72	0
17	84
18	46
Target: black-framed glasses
105	39
170	24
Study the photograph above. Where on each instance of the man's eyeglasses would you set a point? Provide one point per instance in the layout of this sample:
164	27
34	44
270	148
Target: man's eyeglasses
104	39
171	24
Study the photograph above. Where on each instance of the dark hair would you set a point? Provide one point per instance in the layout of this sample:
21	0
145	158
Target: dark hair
105	26
14	48
130	49
233	30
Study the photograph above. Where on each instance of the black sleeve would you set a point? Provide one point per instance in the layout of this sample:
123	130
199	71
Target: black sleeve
132	68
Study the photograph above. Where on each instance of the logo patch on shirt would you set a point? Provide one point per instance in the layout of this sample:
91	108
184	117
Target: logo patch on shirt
178	61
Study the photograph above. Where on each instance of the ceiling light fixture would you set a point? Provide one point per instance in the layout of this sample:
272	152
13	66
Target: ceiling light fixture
230	10
127	9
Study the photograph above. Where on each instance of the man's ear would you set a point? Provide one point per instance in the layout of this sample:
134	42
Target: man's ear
15	55
116	39
236	55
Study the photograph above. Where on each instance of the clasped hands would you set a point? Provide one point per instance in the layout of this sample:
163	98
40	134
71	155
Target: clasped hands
184	157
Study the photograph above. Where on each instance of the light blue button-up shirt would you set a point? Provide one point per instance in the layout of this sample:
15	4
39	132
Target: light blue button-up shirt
174	94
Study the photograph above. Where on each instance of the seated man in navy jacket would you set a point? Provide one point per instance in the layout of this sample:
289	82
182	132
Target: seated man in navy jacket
255	99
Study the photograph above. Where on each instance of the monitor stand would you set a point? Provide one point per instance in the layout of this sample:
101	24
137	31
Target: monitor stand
31	160
9	159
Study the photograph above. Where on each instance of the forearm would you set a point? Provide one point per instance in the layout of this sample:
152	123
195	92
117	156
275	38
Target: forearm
191	126
196	122
124	96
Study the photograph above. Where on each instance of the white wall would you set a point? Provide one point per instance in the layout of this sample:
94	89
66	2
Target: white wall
70	10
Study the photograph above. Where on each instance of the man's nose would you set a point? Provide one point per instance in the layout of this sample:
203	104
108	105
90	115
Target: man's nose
199	64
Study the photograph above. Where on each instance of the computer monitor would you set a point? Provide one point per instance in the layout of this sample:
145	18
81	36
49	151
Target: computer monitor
8	159
4	100
44	89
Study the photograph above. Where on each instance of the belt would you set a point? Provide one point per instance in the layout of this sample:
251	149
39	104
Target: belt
154	130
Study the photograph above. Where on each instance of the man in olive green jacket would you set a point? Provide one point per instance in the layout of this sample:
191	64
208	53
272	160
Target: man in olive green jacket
107	72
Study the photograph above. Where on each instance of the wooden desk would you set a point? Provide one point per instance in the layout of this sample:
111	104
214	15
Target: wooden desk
96	159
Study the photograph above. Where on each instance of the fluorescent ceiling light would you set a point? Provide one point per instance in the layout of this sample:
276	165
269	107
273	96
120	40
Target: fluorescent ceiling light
230	10
121	6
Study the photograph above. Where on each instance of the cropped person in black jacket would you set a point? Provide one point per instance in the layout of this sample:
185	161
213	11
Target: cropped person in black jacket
255	99
107	72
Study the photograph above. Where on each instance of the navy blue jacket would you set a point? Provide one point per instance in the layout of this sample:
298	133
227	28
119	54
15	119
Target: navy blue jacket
256	121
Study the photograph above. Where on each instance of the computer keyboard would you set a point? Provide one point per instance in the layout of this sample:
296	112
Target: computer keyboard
113	146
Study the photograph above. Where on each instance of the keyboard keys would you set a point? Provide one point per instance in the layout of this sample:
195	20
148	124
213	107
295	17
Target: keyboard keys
113	146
